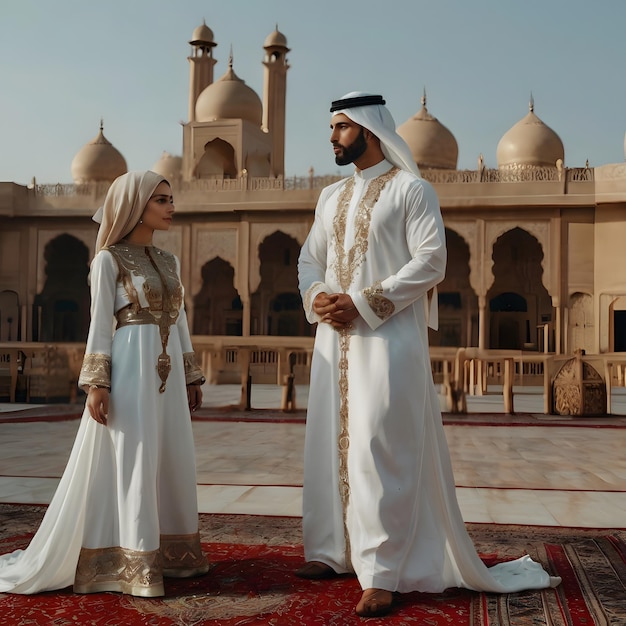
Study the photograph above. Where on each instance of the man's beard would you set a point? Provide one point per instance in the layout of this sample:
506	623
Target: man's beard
351	153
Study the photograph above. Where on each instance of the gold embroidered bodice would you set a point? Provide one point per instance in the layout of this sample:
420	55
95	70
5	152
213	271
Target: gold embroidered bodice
161	288
148	281
162	292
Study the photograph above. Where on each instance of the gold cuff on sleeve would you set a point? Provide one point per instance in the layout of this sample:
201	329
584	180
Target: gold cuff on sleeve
382	307
96	370
308	298
192	369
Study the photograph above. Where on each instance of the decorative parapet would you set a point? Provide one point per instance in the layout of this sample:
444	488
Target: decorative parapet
310	182
243	183
522	172
61	189
580	174
514	174
441	177
293	183
214	184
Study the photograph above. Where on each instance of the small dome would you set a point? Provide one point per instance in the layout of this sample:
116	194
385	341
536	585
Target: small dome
202	35
275	39
169	166
98	161
529	143
229	98
432	144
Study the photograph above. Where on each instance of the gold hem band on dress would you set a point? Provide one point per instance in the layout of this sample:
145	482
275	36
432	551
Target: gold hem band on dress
135	572
182	556
140	573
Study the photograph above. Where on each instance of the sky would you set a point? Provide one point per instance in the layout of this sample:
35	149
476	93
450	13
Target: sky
67	64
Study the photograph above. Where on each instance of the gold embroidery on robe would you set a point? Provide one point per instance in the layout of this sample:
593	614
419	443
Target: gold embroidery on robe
345	266
346	263
343	440
382	307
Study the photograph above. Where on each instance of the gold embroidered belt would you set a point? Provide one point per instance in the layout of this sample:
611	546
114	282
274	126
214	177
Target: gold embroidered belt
163	319
128	317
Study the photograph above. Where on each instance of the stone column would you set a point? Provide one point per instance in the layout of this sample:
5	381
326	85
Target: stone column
482	302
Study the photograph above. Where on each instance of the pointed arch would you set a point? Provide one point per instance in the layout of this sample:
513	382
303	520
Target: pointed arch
259	232
458	303
540	231
218	160
65	299
217	306
276	308
518	299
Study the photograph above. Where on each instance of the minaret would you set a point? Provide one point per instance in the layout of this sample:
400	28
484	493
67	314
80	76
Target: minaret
275	96
201	64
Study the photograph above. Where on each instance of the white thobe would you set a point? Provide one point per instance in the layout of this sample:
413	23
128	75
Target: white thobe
379	496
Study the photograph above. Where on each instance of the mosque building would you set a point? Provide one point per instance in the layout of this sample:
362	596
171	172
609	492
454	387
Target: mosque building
535	248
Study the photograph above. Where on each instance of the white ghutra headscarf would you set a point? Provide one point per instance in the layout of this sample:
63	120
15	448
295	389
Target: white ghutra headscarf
368	110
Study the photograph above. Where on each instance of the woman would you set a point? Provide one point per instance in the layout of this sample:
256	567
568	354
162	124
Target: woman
125	512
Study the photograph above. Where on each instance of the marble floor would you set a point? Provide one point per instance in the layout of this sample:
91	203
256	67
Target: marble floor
539	473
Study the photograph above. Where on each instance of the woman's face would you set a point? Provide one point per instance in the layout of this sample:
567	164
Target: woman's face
160	209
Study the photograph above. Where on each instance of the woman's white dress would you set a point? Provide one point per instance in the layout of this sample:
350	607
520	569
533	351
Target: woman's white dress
125	511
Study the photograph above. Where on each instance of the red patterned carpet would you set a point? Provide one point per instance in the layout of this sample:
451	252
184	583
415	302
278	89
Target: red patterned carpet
251	581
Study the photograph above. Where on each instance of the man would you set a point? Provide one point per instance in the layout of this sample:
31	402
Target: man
379	498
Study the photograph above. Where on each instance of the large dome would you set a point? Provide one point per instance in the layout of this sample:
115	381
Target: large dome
169	166
229	98
98	161
432	144
529	143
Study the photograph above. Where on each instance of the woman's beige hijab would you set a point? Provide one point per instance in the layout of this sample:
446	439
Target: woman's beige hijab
124	205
